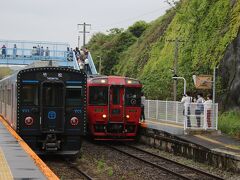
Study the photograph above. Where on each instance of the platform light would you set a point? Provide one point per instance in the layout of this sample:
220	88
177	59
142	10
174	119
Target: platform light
29	121
104	116
74	121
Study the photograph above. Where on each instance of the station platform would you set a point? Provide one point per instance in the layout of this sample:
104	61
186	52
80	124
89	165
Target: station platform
17	160
169	127
212	140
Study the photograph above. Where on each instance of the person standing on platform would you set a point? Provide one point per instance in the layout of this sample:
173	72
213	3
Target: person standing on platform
42	51
38	50
14	51
47	52
209	105
199	109
186	100
143	100
4	51
86	66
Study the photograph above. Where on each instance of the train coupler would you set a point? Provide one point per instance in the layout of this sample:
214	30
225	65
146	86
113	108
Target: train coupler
51	143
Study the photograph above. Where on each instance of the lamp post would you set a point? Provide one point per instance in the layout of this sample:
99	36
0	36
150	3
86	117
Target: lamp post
100	64
175	77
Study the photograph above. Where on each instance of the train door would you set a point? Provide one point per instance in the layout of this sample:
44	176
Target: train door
52	106
116	104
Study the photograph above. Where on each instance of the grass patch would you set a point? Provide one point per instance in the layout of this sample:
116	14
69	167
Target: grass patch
110	171
229	123
101	165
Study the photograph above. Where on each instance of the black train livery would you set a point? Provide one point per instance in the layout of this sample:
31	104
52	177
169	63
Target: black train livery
47	108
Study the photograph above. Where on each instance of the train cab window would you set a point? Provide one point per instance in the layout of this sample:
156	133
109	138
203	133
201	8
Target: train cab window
115	95
74	97
52	94
133	96
98	96
30	94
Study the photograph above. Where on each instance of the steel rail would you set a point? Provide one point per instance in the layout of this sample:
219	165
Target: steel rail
177	163
162	167
150	163
73	166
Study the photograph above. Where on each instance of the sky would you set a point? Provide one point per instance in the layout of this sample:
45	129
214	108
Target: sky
56	20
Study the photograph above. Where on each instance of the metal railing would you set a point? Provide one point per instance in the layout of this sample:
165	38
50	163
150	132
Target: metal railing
91	64
27	51
187	115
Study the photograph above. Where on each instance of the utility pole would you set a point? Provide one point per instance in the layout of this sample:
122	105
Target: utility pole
84	31
175	66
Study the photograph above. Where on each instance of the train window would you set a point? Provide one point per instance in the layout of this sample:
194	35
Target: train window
98	96
52	94
115	95
30	94
133	97
73	97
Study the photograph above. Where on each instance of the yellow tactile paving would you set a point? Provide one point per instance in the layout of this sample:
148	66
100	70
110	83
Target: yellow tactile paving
163	123
42	166
5	172
231	146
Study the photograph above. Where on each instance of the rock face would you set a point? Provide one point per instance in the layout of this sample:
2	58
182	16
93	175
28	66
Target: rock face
229	70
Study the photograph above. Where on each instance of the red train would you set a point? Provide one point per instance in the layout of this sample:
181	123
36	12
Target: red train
114	107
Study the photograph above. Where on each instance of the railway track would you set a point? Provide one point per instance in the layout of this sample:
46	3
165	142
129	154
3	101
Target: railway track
162	163
76	168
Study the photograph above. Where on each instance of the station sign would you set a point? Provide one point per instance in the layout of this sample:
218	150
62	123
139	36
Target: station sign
203	81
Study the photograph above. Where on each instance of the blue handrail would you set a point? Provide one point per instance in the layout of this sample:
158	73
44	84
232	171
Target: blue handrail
91	64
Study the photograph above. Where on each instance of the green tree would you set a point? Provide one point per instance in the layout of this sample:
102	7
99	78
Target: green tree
138	28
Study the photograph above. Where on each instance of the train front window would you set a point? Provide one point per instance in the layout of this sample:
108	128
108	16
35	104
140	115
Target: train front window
30	94
133	97
74	97
98	96
115	95
52	94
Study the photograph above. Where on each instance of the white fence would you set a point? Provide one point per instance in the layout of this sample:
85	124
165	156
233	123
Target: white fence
193	117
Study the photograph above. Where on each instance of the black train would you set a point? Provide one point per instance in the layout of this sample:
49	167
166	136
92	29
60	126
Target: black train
47	108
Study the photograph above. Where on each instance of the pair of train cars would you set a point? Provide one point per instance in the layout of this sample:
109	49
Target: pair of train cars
52	108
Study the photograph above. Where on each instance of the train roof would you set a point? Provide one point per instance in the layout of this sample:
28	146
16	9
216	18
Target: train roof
113	80
38	64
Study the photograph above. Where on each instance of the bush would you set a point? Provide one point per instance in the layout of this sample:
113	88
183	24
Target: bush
229	123
138	28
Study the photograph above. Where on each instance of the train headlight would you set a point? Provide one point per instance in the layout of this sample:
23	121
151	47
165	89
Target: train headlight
74	121
104	116
103	80
28	121
127	116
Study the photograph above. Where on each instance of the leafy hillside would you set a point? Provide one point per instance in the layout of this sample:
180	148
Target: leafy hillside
204	27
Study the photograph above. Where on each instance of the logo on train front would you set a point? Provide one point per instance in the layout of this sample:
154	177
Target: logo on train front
51	115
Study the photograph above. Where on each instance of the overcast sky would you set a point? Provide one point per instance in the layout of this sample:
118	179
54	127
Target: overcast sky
56	20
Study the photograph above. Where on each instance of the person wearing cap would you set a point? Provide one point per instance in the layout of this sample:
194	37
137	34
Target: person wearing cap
186	100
